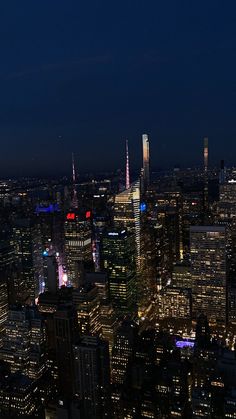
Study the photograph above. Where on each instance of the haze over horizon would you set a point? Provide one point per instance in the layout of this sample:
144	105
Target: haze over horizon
69	85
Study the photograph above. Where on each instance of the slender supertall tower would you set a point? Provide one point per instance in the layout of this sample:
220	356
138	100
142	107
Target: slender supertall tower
146	162
75	197
127	176
222	172
206	154
206	157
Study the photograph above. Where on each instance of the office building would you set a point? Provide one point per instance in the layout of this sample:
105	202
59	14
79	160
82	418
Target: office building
92	377
78	244
7	286
118	254
109	324
65	328
18	397
174	303
87	305
208	270
181	275
28	247
125	340
127	214
50	273
24	342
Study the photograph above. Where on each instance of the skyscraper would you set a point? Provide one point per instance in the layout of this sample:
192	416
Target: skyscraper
222	174
78	244
7	291
50	270
24	342
127	213
86	304
64	336
92	377
206	158
123	349
28	245
206	154
208	269
146	162
118	254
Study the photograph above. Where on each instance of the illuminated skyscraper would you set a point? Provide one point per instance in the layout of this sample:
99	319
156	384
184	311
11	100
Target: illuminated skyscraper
118	254
123	350
206	158
206	154
7	291
24	342
86	304
127	213
227	202
28	245
208	269
146	161
174	303
78	244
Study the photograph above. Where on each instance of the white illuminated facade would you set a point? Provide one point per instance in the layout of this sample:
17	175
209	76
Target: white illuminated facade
146	160
127	212
208	270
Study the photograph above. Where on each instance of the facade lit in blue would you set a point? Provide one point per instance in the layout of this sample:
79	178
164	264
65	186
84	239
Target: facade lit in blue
47	209
143	206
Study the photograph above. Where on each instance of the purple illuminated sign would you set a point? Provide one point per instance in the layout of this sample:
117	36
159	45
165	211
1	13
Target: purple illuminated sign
184	343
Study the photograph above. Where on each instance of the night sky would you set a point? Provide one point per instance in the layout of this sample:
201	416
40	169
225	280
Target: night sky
83	76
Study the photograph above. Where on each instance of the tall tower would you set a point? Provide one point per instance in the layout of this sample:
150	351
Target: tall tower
127	213
118	253
75	197
208	270
206	157
127	176
206	154
222	172
92	376
78	244
146	162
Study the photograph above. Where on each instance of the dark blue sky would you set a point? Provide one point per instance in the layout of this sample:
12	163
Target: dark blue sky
85	75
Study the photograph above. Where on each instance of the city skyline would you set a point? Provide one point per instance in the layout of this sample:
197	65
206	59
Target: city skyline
117	210
129	164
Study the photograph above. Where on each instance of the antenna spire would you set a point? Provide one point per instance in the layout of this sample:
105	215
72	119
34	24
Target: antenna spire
75	197
127	178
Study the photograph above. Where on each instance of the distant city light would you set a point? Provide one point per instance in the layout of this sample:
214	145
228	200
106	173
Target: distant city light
64	278
70	216
88	214
47	209
143	206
